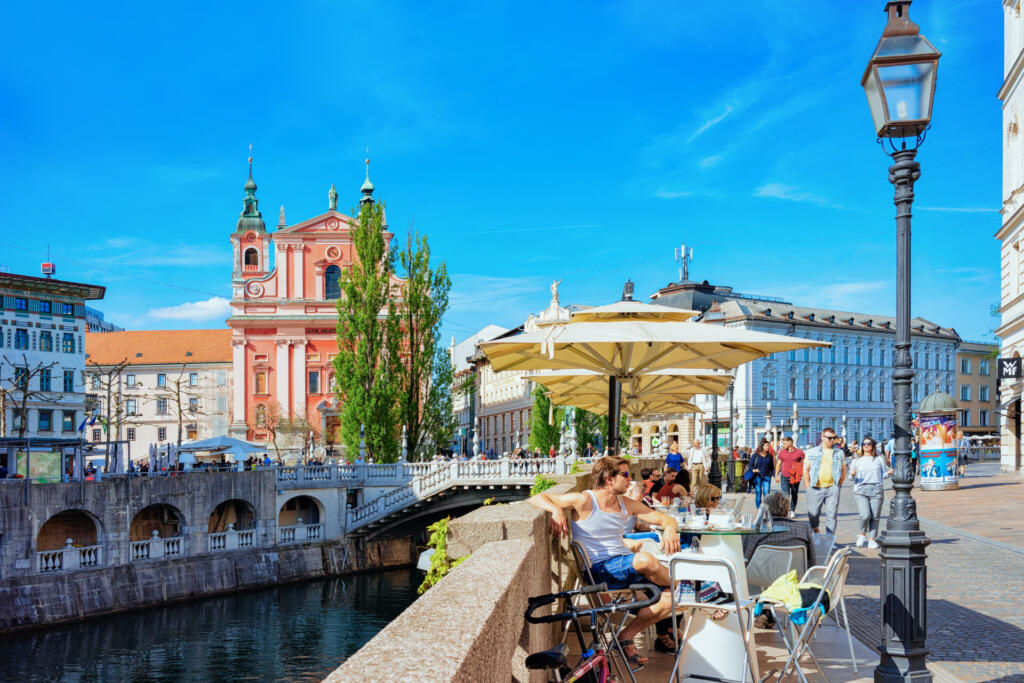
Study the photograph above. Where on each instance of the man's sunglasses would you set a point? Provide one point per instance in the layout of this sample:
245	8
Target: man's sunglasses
830	438
627	475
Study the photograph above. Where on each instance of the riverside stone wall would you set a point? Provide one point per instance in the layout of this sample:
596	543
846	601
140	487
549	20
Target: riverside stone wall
34	601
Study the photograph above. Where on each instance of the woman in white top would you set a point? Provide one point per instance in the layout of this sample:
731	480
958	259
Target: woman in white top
868	471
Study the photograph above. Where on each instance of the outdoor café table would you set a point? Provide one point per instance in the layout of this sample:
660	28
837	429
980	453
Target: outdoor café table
715	649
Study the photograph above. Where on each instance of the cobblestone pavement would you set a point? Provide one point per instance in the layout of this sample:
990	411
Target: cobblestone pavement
975	575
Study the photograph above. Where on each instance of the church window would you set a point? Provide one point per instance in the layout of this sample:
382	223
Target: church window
252	257
332	288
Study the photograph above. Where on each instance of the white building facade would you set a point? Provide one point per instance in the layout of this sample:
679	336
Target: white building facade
847	387
465	386
42	348
167	372
1011	235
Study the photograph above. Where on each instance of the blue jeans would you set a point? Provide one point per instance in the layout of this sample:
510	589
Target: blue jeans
762	485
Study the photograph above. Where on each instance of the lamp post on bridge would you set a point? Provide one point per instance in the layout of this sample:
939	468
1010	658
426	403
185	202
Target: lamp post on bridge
900	85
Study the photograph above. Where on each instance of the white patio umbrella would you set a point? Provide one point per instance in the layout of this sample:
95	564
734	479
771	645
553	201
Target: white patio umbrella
620	348
632	310
660	382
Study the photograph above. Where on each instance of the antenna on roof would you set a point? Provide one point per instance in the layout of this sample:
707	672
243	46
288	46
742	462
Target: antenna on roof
48	268
683	259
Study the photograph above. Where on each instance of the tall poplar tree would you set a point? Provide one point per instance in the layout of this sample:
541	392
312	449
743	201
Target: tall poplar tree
425	370
542	434
366	367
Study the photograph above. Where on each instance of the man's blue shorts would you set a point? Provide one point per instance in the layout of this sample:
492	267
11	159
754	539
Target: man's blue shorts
617	572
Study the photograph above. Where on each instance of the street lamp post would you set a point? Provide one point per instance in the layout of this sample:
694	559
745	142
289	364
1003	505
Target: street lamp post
900	85
715	475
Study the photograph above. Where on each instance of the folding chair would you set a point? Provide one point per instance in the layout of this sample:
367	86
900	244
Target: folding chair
798	641
769	562
837	596
690	566
607	630
824	544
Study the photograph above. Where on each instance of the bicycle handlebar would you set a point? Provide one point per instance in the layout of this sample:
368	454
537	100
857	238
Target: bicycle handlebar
652	591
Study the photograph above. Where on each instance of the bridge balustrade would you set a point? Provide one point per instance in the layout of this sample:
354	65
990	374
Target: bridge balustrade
300	533
155	548
69	558
232	539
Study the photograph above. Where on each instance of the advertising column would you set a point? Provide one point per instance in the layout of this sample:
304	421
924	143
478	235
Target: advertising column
938	451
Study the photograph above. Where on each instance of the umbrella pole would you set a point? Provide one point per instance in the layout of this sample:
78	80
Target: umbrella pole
614	402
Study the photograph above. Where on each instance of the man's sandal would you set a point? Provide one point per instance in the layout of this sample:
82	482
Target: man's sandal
636	658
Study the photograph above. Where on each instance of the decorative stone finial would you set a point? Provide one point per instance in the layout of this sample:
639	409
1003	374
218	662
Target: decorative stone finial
280	220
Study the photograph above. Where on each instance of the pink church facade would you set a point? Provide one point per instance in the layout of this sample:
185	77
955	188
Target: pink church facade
284	317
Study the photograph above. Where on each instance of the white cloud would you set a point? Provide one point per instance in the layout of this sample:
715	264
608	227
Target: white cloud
487	293
711	122
790	193
669	194
858	296
214	307
708	162
957	209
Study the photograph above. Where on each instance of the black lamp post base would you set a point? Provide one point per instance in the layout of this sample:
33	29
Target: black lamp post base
904	581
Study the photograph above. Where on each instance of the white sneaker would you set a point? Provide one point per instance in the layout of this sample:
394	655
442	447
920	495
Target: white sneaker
872	543
861	541
792	515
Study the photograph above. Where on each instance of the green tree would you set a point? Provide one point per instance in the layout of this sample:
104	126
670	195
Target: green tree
366	367
424	368
543	435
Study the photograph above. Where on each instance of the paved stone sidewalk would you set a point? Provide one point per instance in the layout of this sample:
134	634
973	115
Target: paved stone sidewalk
975	575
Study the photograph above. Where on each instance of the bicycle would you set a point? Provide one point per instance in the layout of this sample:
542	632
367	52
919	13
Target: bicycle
594	665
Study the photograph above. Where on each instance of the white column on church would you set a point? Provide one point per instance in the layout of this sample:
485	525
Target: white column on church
282	276
299	378
297	292
281	370
240	377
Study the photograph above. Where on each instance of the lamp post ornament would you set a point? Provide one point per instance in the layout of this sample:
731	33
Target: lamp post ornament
899	82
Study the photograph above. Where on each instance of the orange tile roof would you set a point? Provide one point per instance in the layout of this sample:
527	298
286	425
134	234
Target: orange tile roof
156	347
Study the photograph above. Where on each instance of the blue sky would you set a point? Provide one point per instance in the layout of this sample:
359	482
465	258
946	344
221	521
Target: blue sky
578	141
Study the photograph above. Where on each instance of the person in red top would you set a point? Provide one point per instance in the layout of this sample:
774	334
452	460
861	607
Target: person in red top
790	470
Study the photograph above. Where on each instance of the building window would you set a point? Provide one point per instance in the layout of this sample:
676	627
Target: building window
314	382
67	309
221	378
130	432
881	356
846	390
161	406
21	339
261	382
95	435
832	389
819	354
332	286
161	433
821	389
870	388
983	393
846	355
21	378
45	341
68	343
917	359
983	418
965	392
917	393
193	405
983	367
261	415
191	432
807	388
46	307
857	355
161	380
193	379
881	390
965	418
45	420
95	381
129	381
129	406
807	355
792	387
222	404
832	353
67	421
20	304
965	366
45	383
69	381
764	388
871	356
252	257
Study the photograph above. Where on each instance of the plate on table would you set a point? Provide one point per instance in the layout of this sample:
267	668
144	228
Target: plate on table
723	526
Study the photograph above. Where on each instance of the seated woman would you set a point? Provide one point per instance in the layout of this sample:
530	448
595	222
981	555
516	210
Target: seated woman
706	496
677	485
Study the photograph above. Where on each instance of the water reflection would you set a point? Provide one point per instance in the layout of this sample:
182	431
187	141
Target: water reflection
294	632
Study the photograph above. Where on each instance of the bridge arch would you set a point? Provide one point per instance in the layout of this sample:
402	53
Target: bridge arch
160	517
235	511
81	526
307	508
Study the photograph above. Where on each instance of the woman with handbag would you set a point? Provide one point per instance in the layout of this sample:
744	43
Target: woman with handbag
762	468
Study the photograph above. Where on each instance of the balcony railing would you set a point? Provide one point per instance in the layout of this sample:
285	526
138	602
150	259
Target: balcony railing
156	548
69	558
232	539
300	533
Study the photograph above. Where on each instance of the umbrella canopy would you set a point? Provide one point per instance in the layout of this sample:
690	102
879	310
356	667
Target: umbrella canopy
620	348
633	407
220	443
632	310
649	385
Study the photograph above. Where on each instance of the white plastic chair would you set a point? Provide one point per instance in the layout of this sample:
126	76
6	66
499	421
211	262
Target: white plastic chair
769	562
690	566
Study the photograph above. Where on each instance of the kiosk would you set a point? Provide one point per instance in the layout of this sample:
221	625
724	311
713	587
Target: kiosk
937	437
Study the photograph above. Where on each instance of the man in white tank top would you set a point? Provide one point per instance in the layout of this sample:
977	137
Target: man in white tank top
598	521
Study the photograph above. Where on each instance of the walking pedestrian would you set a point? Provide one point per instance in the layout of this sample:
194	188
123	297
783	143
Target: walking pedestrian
824	473
698	461
763	467
790	461
868	471
674	459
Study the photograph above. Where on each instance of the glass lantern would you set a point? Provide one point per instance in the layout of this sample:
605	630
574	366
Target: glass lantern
900	77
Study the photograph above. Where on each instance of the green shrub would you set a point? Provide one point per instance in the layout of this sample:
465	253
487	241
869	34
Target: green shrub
439	564
541	483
